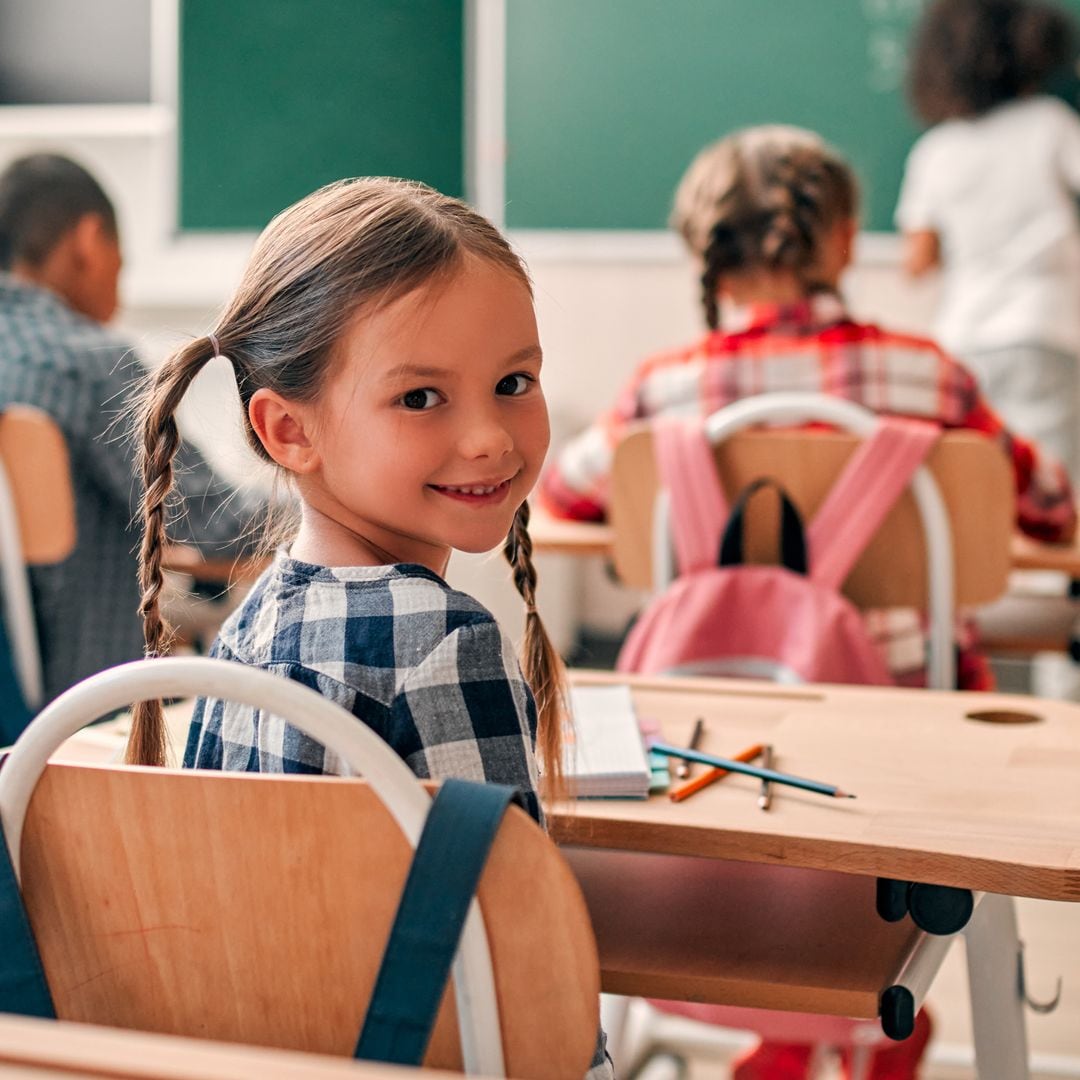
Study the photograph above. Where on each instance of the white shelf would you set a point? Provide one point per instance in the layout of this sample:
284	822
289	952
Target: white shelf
655	246
85	121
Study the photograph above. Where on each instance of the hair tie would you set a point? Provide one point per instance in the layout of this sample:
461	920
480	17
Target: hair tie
530	609
214	345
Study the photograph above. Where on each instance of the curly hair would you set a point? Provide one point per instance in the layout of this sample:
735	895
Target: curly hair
969	55
761	198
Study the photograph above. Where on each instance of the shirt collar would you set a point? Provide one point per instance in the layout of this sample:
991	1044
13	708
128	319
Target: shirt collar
815	313
26	290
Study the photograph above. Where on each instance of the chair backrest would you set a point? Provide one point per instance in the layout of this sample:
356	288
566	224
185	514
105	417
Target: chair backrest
37	527
35	459
972	473
254	909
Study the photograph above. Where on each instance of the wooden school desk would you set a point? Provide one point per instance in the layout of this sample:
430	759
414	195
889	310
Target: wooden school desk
39	1049
713	899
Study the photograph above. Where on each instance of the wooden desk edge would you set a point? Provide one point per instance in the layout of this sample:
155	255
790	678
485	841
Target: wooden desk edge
64	1048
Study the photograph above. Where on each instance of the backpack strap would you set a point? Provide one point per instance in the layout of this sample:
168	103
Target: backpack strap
792	533
23	987
698	507
874	478
446	868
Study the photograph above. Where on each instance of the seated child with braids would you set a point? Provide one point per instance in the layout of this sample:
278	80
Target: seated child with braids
387	359
771	212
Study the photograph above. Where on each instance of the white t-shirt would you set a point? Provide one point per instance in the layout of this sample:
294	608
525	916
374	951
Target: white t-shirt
1000	191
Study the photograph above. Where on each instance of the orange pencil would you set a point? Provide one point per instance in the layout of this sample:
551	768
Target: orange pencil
706	778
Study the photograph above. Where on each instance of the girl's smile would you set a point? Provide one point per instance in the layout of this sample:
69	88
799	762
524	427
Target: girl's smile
479	494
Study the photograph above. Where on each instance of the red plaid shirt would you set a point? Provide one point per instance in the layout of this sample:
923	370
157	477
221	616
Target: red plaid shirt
814	346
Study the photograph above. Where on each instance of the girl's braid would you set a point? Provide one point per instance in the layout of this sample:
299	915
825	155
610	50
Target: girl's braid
723	253
541	663
805	192
158	441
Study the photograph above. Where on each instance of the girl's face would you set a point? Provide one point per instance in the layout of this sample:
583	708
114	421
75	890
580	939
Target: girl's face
432	430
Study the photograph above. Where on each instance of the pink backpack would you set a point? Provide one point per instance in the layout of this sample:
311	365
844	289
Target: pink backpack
787	623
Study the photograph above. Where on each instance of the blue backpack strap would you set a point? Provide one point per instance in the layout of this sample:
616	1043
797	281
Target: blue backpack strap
23	988
446	868
14	713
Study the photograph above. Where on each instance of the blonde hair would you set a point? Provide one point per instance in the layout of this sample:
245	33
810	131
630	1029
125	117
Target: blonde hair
762	198
347	246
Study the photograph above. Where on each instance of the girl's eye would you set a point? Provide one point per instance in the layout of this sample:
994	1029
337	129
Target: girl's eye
420	400
513	385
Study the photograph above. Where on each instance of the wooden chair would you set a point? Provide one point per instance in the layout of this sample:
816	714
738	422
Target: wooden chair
965	492
37	527
253	908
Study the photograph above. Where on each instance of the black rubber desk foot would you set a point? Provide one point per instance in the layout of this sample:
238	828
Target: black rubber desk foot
892	904
940	909
897	1012
937	909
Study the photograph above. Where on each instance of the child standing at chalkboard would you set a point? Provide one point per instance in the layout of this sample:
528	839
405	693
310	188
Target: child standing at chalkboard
989	194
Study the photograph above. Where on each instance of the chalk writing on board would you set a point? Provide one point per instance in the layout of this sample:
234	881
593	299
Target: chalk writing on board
889	26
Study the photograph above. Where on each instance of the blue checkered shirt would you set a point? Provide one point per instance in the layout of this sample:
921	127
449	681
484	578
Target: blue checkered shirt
423	665
72	368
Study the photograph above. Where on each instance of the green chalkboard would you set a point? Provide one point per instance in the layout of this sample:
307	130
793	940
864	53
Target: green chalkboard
278	97
609	100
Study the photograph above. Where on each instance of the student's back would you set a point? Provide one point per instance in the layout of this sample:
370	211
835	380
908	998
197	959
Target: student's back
989	195
1000	191
59	261
427	667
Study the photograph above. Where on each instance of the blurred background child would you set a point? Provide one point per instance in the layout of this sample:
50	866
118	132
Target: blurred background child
771	213
989	195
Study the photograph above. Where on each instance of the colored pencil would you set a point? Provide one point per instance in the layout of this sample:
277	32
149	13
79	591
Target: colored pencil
682	770
706	778
752	770
764	800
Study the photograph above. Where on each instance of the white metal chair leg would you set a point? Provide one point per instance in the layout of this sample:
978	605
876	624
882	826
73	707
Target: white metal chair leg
614	1019
861	1057
820	1057
997	1007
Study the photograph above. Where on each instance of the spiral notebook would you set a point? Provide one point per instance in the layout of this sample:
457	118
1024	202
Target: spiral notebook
605	754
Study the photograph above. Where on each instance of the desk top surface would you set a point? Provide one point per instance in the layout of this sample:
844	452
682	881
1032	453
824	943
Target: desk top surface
549	534
941	797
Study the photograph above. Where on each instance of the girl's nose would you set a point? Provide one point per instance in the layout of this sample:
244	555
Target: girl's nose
485	437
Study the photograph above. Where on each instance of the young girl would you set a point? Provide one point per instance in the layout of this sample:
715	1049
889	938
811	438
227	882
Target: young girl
770	214
989	194
387	360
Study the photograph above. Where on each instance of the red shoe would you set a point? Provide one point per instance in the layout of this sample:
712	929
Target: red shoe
773	1061
897	1060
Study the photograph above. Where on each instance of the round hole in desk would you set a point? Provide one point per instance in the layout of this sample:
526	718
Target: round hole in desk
1004	716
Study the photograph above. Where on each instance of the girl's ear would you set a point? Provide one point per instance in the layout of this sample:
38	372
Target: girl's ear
282	428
